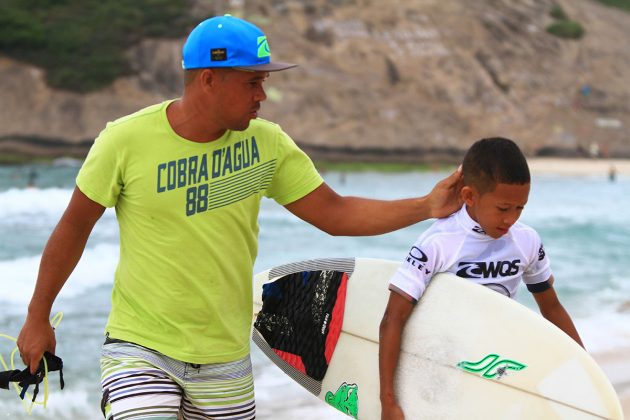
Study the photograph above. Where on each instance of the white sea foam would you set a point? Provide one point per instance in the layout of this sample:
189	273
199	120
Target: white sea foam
96	267
71	403
28	203
605	331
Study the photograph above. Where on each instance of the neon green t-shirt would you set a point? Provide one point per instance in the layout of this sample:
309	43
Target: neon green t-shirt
188	218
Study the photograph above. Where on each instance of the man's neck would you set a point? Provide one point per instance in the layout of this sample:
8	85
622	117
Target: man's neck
189	122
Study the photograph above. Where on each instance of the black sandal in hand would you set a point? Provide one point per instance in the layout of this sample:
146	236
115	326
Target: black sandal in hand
25	378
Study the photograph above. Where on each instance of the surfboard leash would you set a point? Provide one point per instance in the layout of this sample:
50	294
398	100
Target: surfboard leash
22	379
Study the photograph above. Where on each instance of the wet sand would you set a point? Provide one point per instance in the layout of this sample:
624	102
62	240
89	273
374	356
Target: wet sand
573	167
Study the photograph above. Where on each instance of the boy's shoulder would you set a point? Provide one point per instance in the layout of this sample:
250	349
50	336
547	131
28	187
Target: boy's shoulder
446	224
444	229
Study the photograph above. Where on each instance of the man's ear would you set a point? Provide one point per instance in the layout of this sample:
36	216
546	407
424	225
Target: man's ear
468	195
207	78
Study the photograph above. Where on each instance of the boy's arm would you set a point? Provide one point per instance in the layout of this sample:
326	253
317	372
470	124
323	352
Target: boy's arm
396	315
551	308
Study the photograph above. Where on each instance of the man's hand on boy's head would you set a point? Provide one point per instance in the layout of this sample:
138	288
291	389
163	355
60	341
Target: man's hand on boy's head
445	199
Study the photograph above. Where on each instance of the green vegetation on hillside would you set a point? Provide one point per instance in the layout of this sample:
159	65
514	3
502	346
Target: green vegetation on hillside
567	29
621	4
557	12
81	43
563	27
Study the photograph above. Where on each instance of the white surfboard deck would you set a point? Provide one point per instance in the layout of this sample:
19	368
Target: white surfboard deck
467	353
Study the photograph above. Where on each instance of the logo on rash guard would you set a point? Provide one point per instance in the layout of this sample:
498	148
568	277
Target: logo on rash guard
478	229
490	269
417	258
541	253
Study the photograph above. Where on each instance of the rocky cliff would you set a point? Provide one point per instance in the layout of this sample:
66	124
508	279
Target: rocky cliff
402	80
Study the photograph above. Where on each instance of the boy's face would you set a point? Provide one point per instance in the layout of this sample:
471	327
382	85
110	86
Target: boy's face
496	211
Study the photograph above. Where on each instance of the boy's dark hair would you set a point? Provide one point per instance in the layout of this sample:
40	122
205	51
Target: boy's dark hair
495	160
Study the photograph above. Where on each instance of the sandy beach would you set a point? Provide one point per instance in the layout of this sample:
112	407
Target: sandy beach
573	167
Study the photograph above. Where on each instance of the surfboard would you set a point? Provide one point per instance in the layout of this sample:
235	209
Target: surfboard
467	352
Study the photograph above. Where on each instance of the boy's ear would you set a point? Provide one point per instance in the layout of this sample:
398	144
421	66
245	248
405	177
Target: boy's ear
468	195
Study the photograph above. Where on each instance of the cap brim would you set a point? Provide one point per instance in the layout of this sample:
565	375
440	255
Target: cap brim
275	66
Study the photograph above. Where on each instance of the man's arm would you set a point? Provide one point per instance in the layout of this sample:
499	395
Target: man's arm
396	315
551	308
356	216
60	256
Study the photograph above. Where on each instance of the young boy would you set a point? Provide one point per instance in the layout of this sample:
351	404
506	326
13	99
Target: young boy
483	234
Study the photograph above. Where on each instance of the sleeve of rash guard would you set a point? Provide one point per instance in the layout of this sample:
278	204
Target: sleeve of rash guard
413	276
539	270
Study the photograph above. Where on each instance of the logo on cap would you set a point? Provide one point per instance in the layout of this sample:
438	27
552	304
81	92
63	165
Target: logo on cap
218	54
263	47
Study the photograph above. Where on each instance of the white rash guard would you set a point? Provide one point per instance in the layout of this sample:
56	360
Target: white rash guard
458	245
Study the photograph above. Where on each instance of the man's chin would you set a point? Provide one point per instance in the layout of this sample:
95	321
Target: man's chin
242	127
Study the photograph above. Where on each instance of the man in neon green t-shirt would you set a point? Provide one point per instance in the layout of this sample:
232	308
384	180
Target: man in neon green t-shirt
186	178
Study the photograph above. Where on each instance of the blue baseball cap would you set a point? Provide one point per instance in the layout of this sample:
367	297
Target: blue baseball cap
227	41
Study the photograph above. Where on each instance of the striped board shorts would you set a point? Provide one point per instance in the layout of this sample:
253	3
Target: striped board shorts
139	383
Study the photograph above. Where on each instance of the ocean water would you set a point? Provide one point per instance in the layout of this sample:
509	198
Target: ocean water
584	223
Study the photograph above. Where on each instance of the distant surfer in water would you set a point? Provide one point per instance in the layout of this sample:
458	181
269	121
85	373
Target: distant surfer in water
32	178
186	177
483	243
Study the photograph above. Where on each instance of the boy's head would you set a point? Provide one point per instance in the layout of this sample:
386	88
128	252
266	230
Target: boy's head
496	184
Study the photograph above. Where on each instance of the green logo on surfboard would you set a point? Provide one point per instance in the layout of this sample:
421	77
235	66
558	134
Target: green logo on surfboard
346	399
492	366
